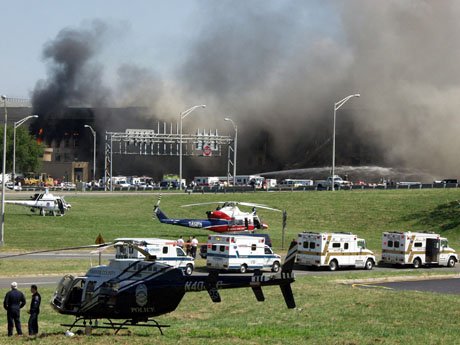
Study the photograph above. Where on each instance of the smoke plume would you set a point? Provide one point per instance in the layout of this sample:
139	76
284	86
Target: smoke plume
276	68
279	67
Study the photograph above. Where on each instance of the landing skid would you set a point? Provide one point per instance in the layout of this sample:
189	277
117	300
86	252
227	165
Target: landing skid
116	326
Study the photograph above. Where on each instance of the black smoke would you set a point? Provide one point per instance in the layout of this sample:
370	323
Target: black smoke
276	68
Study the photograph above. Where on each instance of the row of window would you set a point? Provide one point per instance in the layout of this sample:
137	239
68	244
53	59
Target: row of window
221	248
397	244
335	245
309	245
66	157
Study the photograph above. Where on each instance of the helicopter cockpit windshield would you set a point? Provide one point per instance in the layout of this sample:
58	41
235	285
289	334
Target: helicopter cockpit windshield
62	290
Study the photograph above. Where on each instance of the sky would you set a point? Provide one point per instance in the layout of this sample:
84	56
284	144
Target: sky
275	66
148	33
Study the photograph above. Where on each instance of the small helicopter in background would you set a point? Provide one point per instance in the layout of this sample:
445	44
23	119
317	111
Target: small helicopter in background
226	218
136	290
46	203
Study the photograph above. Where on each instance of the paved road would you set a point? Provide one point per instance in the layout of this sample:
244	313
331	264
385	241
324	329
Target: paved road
25	282
52	280
54	256
436	285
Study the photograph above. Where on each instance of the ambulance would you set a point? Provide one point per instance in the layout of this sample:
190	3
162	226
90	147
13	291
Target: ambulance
242	253
165	251
417	249
333	250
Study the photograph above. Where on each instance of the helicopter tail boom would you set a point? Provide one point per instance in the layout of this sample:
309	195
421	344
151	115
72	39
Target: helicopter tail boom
214	282
157	212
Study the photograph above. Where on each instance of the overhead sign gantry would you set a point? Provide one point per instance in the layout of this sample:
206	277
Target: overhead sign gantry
164	141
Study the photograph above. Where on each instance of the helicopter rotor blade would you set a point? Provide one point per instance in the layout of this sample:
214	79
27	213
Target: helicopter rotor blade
57	250
235	203
259	206
205	203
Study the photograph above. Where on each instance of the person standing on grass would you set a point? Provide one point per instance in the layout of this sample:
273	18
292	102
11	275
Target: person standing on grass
34	310
13	302
180	242
194	243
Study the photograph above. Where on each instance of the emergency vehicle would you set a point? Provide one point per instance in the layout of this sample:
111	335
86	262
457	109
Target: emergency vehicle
333	250
417	249
165	251
240	253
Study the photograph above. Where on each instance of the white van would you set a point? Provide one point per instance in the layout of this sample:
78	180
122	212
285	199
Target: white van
165	251
240	253
333	250
416	249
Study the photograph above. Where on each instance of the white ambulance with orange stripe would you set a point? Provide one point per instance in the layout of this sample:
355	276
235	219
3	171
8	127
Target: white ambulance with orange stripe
417	249
165	251
242	253
333	250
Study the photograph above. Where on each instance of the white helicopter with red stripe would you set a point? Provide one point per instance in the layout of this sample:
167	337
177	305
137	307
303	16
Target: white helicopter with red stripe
227	217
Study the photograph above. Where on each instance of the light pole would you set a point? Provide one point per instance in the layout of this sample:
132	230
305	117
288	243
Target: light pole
182	116
337	107
2	228
16	125
93	132
234	149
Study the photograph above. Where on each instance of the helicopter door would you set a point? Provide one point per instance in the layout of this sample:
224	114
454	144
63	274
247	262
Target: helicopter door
62	290
246	223
74	295
60	206
256	222
89	290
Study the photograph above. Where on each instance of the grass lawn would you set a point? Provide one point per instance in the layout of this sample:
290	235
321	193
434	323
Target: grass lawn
367	213
327	312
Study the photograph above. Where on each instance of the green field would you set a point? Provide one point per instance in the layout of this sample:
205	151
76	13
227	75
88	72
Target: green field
367	213
328	312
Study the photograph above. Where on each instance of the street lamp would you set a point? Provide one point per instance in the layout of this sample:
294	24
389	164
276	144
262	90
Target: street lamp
234	149
16	125
93	132
337	106
2	227
182	116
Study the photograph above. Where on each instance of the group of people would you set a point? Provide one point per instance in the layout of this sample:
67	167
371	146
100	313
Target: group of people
13	303
190	246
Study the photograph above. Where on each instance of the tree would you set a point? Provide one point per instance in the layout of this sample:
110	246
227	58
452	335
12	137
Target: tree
28	151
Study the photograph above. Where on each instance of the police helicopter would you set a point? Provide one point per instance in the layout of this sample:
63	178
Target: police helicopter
131	291
46	203
227	217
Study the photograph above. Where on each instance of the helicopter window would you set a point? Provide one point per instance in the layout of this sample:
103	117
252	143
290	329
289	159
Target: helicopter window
90	289
165	250
75	293
253	247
